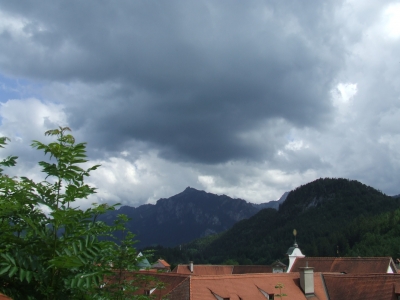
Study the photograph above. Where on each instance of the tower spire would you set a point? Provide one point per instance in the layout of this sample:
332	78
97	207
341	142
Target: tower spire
294	252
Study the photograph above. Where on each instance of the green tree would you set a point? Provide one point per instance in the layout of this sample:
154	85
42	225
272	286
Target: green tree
59	254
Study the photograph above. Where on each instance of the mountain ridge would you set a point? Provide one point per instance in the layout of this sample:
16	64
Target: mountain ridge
183	217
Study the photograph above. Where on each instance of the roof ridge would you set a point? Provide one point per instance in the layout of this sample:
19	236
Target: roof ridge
251	275
371	257
206	265
171	274
371	275
190	287
252	266
345	257
316	257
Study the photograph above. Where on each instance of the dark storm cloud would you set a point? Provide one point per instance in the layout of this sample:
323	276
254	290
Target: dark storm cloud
190	77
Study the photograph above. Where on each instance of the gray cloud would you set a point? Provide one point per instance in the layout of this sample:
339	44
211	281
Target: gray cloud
192	75
203	84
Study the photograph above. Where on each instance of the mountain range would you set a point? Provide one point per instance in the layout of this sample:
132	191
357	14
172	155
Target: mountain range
333	217
186	216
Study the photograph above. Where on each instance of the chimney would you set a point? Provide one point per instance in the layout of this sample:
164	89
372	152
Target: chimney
191	267
307	280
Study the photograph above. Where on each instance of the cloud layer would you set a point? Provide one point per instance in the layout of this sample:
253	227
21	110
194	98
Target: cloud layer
250	99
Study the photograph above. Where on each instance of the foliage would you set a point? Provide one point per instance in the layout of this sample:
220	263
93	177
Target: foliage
280	286
56	255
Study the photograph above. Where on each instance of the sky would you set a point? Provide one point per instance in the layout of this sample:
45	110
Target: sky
244	98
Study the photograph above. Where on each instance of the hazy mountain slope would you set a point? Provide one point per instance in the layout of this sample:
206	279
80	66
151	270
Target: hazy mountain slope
272	204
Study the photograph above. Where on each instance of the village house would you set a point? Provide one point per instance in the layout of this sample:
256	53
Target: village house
312	278
308	278
304	284
161	265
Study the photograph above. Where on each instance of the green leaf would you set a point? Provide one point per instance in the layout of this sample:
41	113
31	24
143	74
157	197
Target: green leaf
5	269
75	248
13	271
10	258
22	274
67	262
28	276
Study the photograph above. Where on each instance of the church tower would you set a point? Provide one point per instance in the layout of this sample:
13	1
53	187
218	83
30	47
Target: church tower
293	252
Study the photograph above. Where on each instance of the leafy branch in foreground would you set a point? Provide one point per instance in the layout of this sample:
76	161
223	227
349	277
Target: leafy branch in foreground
61	254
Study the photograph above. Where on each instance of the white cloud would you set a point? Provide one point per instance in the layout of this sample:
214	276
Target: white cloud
296	145
391	20
256	183
346	92
12	24
206	181
24	120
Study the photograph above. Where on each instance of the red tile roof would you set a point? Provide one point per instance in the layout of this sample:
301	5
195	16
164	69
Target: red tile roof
249	286
346	265
362	286
161	264
251	269
164	263
224	269
204	270
170	281
332	286
4	297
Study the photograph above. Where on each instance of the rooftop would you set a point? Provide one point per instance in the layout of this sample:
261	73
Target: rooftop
227	269
347	265
252	286
362	286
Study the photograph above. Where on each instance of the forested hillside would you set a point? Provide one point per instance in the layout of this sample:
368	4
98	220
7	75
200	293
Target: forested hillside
332	217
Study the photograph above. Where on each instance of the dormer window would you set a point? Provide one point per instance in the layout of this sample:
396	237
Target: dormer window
149	292
266	295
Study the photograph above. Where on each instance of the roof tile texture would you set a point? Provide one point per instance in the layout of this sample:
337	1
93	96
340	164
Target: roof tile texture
252	269
248	286
204	270
347	265
222	270
362	286
162	261
171	281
